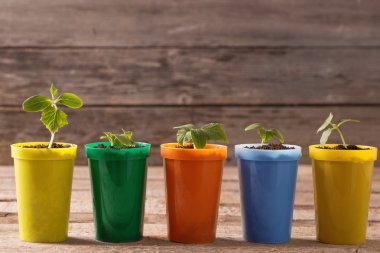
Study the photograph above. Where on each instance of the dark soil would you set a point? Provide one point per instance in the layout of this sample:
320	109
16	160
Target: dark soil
271	146
111	147
341	147
55	145
187	146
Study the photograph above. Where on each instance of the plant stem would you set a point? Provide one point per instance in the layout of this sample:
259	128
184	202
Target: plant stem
51	140
262	142
341	136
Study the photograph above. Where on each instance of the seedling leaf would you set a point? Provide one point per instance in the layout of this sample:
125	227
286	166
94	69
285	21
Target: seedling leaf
188	134
326	123
53	91
70	100
199	138
278	135
186	127
327	131
325	136
343	121
253	126
215	132
53	119
119	140
36	103
266	134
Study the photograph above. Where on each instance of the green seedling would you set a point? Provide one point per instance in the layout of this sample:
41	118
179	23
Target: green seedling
266	134
188	134
328	127
52	117
123	140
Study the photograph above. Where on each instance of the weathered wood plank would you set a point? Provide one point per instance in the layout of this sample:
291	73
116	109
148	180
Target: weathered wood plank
229	232
154	124
189	23
194	76
228	240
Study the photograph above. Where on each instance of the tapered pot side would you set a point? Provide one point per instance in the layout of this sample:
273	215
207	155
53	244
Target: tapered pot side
118	180
43	185
193	181
267	187
342	187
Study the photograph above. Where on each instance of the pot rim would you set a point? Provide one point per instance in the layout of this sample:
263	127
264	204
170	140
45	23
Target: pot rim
343	155
142	151
241	152
210	152
19	152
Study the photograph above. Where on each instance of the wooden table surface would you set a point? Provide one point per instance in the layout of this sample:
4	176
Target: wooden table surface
229	234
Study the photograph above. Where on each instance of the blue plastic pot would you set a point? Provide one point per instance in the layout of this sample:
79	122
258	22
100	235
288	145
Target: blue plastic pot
267	187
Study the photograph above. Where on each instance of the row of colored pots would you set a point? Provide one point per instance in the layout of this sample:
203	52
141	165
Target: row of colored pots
342	186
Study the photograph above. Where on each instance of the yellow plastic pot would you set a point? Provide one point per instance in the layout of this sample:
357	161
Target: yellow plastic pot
43	184
342	188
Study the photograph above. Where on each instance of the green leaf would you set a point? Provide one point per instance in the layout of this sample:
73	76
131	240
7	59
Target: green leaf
253	126
269	135
186	127
53	119
119	140
53	91
125	138
215	132
263	134
36	103
70	100
325	136
199	138
343	121
326	123
188	137
181	136
108	136
278	135
127	134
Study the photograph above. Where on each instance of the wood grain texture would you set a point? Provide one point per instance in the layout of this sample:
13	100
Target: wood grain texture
154	125
229	239
195	76
137	23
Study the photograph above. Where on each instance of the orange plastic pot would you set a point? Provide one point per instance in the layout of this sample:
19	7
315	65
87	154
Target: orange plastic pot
193	181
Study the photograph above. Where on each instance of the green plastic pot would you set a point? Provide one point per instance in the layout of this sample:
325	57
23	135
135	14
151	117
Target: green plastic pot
118	181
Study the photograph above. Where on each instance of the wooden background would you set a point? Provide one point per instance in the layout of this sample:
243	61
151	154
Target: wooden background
150	65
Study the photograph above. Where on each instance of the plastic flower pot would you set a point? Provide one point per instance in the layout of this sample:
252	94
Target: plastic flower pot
267	187
342	187
118	180
193	182
43	184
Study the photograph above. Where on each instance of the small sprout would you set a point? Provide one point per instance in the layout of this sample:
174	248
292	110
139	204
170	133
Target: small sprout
123	140
52	117
266	134
188	134
327	127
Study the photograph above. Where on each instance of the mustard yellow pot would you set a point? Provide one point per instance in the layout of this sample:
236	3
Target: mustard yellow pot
342	188
43	184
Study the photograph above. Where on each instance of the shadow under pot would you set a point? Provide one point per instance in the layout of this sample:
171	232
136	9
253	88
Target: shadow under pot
193	182
43	184
118	181
342	187
267	188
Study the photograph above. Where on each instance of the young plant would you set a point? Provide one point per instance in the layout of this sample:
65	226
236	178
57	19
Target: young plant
52	117
123	140
188	134
266	134
328	127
